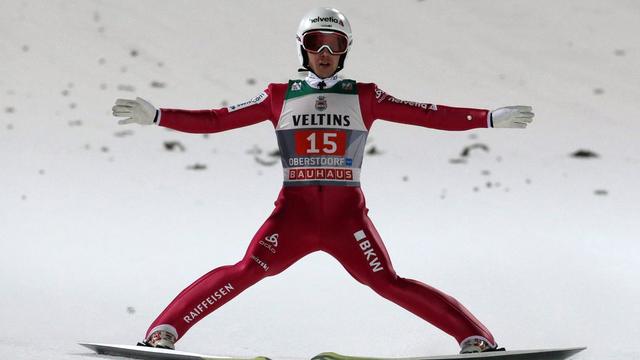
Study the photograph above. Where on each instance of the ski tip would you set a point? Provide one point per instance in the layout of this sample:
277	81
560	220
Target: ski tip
329	356
95	347
574	350
88	345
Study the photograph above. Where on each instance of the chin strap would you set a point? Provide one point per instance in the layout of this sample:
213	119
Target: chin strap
308	70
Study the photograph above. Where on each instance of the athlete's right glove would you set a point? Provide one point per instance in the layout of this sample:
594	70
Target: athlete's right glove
138	111
511	117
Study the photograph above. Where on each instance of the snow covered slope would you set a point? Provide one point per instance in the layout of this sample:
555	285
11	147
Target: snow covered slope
102	225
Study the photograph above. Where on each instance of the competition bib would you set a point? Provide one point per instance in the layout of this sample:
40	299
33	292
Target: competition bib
321	135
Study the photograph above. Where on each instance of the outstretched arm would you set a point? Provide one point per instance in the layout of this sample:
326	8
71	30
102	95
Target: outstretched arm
377	104
247	113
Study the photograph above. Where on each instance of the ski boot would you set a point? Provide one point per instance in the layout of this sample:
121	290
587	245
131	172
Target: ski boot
477	344
160	339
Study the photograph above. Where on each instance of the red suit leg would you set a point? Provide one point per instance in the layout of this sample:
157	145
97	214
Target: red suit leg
356	244
276	245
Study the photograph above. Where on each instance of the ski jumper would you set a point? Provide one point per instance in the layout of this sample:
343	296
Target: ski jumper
321	127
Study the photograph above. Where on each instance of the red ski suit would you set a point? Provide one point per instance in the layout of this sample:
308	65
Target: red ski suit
324	209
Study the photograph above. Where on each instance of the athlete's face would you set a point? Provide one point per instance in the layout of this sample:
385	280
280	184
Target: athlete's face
324	63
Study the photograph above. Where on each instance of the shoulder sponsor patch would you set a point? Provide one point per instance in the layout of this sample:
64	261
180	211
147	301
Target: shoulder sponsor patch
253	101
383	96
380	94
411	103
347	86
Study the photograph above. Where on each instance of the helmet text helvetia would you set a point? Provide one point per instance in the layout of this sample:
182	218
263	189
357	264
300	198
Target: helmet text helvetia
330	19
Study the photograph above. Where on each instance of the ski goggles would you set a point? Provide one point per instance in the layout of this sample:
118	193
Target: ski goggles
314	41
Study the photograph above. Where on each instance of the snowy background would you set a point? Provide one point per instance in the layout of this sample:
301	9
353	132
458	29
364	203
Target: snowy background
102	225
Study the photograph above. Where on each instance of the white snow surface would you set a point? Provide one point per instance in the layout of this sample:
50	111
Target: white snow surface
100	226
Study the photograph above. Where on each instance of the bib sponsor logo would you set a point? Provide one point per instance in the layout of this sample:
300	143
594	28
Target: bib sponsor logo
321	120
367	250
318	161
321	103
256	100
296	86
321	174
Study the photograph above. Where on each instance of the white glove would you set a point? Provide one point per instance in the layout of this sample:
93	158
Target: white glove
138	111
511	117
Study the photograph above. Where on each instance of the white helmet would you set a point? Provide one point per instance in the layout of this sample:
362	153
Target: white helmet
323	19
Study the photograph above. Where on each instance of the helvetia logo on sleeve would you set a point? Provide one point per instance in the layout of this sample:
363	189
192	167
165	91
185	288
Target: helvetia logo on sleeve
256	100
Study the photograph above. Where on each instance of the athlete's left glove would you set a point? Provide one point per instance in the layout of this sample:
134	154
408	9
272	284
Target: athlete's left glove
511	117
138	111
